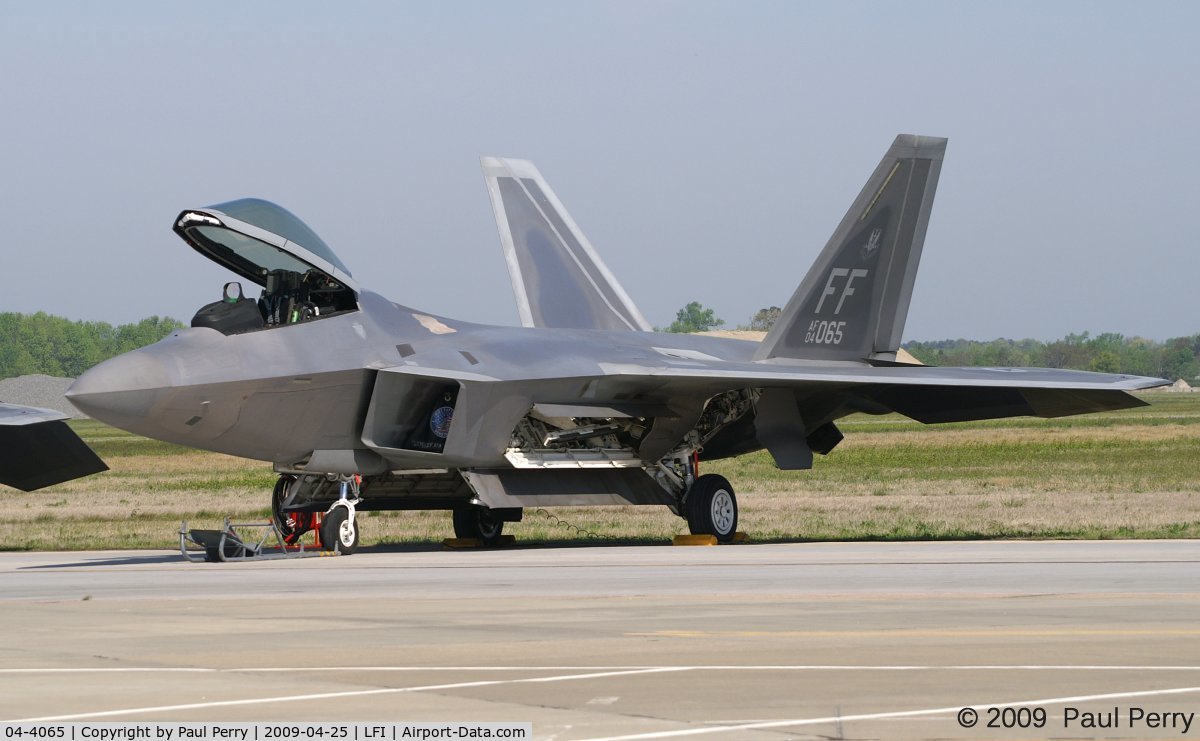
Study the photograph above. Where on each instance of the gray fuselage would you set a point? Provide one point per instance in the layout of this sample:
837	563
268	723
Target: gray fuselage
278	394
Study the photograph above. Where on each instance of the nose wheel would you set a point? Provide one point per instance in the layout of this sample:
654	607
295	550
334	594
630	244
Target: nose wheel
339	529
711	508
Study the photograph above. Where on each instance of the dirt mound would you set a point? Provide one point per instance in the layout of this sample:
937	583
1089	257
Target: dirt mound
902	355
39	391
735	334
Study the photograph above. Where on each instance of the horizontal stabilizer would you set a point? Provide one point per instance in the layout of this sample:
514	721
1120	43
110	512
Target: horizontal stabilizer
38	449
558	279
854	301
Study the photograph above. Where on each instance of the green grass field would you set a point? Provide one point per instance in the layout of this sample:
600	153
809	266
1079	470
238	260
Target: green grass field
1132	474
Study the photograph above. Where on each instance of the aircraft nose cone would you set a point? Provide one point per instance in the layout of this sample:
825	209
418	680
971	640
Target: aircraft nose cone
122	388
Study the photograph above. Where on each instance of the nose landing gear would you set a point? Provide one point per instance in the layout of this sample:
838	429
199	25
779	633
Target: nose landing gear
339	526
337	529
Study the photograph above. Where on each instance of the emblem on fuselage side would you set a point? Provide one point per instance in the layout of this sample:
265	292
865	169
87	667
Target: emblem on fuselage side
439	421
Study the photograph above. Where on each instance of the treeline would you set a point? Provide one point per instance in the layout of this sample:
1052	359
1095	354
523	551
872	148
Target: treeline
41	343
1109	352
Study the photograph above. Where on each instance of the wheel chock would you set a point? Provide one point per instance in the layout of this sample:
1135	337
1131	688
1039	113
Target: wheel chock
738	537
457	544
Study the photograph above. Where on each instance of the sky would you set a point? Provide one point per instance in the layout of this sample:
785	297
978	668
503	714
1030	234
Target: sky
707	149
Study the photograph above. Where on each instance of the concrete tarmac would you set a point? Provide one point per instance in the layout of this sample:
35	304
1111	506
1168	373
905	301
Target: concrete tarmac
829	640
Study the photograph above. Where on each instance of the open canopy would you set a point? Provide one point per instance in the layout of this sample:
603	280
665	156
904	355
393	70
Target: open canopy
254	238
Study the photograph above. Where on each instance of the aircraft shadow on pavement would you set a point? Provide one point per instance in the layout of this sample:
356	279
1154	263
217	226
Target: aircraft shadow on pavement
148	559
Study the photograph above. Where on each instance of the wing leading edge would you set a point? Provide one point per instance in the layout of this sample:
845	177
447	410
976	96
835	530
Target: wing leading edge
558	279
925	393
928	394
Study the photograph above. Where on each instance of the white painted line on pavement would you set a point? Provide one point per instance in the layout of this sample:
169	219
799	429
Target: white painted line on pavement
622	668
331	695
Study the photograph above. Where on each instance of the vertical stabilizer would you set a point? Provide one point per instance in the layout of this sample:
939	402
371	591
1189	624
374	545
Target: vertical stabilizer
558	279
853	303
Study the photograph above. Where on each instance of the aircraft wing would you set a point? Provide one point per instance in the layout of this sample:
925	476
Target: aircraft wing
558	278
925	393
38	449
793	410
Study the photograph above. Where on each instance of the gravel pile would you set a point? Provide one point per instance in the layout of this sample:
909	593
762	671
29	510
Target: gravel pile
39	391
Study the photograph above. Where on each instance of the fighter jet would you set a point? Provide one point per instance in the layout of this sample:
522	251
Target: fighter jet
361	403
38	449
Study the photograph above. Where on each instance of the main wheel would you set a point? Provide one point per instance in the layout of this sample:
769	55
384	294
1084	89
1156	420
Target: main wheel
339	531
477	523
711	508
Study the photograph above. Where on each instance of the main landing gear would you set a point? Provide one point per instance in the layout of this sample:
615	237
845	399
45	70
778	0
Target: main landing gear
473	522
710	508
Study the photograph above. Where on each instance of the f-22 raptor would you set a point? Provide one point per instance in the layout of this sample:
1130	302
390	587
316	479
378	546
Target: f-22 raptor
361	403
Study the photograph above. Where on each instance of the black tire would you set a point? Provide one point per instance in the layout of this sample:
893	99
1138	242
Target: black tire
339	531
477	523
291	524
711	508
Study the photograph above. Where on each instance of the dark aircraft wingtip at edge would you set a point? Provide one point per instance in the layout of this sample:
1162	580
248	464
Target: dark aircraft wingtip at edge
38	449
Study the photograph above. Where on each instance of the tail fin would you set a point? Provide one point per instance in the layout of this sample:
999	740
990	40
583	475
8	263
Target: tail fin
558	279
854	300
